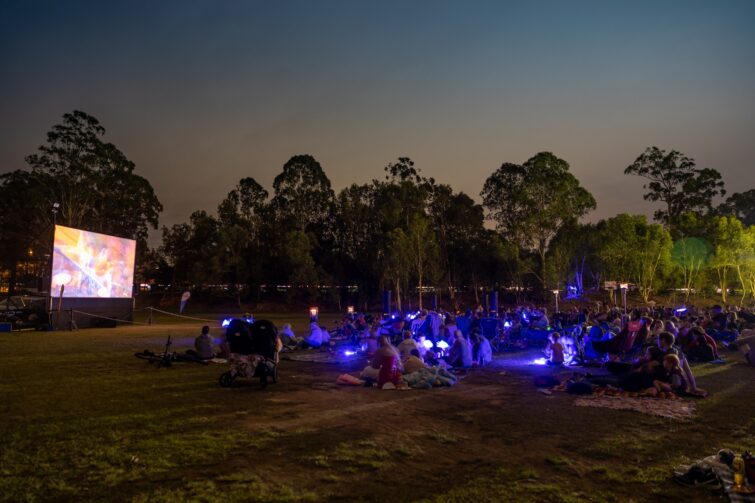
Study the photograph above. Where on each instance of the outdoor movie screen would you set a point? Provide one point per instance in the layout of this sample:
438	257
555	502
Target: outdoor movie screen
92	265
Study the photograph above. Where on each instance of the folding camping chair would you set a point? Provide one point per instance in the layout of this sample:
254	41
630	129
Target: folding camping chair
491	330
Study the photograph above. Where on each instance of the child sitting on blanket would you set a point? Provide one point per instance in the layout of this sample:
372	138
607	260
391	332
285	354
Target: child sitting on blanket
674	378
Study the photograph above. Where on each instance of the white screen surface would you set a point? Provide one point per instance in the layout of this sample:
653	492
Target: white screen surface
89	264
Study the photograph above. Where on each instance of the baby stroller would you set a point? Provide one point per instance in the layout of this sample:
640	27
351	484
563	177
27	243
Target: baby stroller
252	351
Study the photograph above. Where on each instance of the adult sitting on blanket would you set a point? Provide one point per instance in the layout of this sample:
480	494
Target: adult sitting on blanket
407	345
701	347
460	354
413	362
673	378
318	336
666	345
386	355
288	338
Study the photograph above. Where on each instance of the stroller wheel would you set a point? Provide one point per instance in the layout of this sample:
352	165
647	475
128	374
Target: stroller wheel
226	379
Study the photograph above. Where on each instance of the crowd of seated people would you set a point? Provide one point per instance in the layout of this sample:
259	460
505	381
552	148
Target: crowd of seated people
646	350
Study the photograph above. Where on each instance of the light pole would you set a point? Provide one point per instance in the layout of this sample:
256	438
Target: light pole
555	293
624	287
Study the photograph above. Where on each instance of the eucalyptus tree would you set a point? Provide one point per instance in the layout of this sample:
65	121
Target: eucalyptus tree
531	202
674	180
93	181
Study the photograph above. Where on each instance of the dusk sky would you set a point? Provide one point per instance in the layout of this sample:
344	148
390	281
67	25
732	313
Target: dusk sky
201	94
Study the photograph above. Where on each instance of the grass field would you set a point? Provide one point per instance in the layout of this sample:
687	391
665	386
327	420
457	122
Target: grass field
81	419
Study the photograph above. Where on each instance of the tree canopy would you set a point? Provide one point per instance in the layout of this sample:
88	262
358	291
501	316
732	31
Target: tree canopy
674	180
531	202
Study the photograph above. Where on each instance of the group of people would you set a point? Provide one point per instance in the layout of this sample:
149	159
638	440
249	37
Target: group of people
646	350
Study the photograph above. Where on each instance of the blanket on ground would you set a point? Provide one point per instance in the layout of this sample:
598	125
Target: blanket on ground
311	356
681	410
724	474
427	378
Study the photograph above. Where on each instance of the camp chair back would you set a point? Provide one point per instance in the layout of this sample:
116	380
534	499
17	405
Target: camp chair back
239	337
491	330
464	323
263	334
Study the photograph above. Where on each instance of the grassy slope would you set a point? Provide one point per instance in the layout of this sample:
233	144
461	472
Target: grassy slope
81	418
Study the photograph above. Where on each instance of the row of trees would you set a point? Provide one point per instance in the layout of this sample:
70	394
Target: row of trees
404	232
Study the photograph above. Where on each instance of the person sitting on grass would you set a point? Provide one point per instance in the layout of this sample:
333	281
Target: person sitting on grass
202	346
288	338
483	353
413	362
699	348
314	339
555	350
460	354
673	380
666	345
407	345
385	356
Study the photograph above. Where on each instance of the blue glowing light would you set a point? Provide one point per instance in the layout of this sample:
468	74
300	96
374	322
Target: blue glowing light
349	353
540	361
226	322
681	310
442	345
427	344
506	324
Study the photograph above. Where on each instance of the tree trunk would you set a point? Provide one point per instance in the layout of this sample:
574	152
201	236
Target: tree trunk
744	285
722	283
397	282
541	251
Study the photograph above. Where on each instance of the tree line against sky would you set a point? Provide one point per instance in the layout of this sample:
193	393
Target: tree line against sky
404	232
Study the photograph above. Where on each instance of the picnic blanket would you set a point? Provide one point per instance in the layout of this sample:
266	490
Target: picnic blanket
681	410
427	378
724	474
311	356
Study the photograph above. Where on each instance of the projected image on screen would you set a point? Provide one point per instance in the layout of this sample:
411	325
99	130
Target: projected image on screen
88	264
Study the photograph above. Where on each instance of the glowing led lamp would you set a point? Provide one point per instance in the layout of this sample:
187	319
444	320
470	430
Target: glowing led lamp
350	309
442	345
539	361
506	324
226	322
349	353
624	286
314	311
427	344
